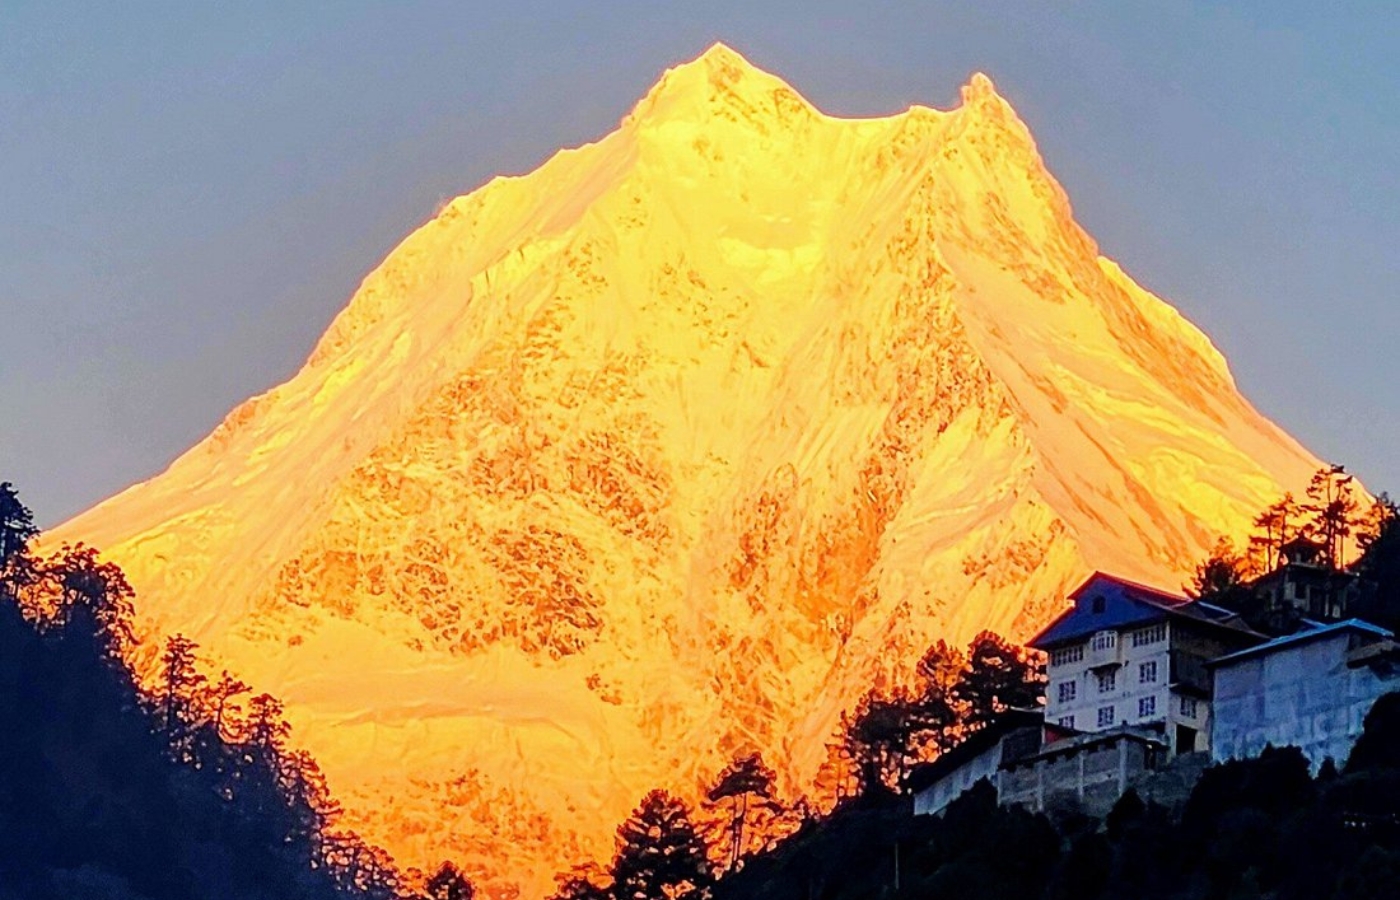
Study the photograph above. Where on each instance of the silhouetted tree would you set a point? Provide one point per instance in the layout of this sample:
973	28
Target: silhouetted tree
303	786
1128	811
1221	577
267	730
1380	564
224	690
660	854
94	592
743	780
93	803
448	883
837	778
1378	747
359	868
1277	525
878	741
938	716
1332	510
1378	519
583	883
16	524
998	677
182	684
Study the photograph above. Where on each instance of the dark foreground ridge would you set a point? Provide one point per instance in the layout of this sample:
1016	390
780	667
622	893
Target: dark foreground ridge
111	792
1256	828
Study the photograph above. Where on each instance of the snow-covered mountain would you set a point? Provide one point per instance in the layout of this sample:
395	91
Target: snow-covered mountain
675	446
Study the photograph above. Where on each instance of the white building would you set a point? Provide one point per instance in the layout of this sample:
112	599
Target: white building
1130	655
1013	734
1311	689
1087	772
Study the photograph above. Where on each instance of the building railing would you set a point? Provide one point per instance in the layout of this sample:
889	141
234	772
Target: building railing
1105	649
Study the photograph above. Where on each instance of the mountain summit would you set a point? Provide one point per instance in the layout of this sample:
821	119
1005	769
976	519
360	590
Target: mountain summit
671	449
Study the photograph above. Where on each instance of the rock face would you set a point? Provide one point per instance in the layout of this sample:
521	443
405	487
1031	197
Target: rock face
675	446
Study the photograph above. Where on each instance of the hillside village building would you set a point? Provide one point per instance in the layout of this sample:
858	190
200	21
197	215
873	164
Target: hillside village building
1086	772
1145	687
1311	689
1304	586
1127	655
1129	689
1013	735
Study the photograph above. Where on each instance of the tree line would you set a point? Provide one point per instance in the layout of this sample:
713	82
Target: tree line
1353	538
664	850
1264	828
186	789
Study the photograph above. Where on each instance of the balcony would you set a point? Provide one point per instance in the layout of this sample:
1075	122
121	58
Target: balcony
1104	651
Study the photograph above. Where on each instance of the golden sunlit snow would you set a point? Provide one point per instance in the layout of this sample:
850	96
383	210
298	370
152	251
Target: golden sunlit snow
674	447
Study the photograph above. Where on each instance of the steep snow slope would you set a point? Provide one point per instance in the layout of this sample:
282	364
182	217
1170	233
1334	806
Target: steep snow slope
674	446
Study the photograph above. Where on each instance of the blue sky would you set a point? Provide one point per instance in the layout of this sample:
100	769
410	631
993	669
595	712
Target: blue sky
191	191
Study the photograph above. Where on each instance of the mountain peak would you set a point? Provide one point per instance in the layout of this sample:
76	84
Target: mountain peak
979	88
722	64
721	53
718	77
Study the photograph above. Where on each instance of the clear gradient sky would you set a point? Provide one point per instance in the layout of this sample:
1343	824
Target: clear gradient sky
190	191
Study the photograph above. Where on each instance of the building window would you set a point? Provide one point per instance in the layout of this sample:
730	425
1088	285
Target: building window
1108	681
1067	691
1147	706
1105	640
1105	716
1097	605
1153	635
1066	655
1147	673
1067	721
1188	707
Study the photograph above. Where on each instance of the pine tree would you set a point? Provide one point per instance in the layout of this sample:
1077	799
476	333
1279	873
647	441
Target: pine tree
938	714
1332	507
1279	523
998	677
448	883
744	778
182	685
660	855
1221	576
879	740
267	730
225	690
94	592
16	524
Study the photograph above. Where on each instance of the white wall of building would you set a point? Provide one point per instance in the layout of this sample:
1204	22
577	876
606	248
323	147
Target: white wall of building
1304	695
936	797
1117	677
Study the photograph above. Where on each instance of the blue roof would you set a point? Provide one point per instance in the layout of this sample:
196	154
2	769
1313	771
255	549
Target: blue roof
1125	603
1302	637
